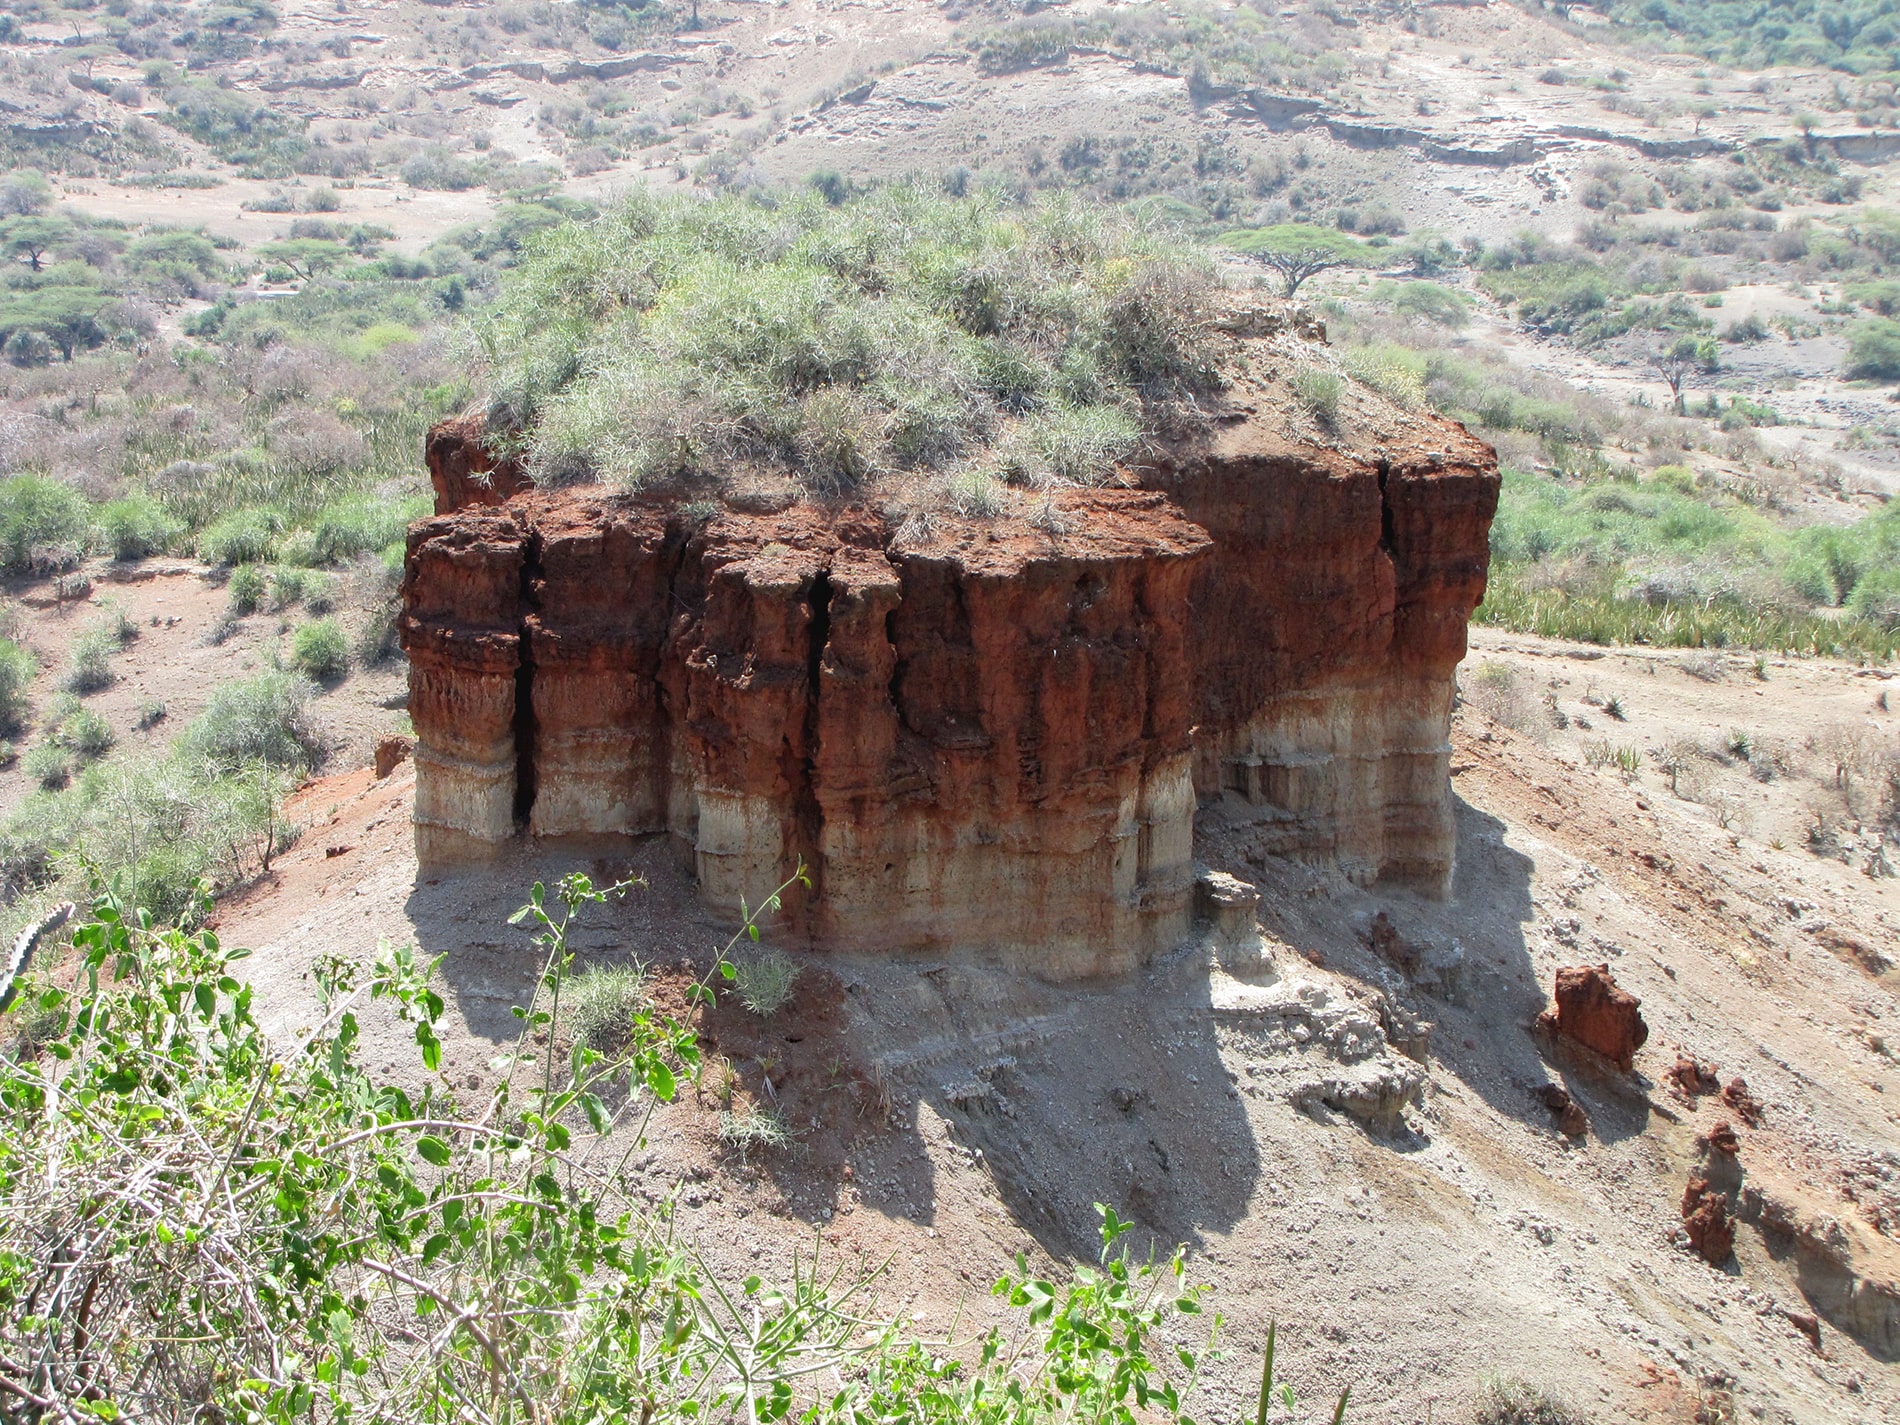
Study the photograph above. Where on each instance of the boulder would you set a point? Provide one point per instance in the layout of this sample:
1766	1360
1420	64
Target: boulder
1592	1011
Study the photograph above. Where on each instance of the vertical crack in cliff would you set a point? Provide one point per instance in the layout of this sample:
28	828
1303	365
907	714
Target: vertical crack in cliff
524	685
808	814
1387	541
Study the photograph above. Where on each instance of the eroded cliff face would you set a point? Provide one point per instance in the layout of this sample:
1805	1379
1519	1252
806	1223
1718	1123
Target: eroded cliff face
994	738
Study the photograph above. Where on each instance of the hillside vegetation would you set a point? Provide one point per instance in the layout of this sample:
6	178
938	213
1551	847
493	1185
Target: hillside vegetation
905	330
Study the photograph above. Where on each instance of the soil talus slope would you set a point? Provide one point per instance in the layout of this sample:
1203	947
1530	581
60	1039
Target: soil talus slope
992	737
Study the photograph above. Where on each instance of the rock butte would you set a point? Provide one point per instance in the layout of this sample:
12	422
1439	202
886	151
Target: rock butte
994	739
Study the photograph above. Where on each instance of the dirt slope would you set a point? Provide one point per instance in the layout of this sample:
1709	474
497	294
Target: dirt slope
949	1115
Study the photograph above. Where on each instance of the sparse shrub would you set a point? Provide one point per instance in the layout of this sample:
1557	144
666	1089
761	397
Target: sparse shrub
17	670
319	594
375	638
1613	705
359	524
437	168
151	714
245	589
135	527
1075	445
1738	744
600	1004
48	764
1704	666
1319	391
1499	692
88	734
897	329
89	666
286	586
265	719
242	537
753	1130
1392	371
1502	1401
320	650
975	495
763	980
1625	757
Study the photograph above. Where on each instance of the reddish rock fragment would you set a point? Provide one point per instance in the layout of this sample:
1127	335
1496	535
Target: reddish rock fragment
1572	1121
1722	1138
1807	1323
391	753
1693	1077
1736	1095
1705	1215
1593	1012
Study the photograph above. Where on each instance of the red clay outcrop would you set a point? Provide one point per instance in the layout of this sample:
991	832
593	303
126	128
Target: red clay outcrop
991	737
1706	1218
1593	1011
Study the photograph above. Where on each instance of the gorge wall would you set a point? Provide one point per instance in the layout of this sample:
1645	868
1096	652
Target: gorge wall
989	736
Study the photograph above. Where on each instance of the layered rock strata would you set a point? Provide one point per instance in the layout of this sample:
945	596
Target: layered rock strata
993	737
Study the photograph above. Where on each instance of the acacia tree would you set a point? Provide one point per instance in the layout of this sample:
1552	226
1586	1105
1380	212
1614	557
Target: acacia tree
1295	265
1682	360
1297	251
32	236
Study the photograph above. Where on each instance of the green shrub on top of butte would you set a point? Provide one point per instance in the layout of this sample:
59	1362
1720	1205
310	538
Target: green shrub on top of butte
903	331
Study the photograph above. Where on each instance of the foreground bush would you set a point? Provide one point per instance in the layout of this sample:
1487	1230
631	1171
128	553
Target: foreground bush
38	514
199	1223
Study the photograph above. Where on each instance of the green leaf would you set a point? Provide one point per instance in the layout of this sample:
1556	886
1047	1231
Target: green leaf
596	1112
433	1150
661	1081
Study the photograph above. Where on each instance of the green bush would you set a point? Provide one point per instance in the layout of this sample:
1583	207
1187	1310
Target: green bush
358	524
17	671
88	734
1429	301
1873	350
241	537
135	527
900	329
1876	598
263	719
319	650
48	764
245	589
89	665
37	513
1319	390
1392	371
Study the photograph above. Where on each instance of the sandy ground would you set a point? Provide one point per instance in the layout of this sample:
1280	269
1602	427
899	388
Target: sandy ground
949	1116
